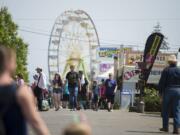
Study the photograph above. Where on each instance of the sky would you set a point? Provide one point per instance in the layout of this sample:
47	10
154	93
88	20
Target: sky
127	22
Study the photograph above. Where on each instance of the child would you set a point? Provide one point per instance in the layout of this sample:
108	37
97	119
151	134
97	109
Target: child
102	94
95	89
65	96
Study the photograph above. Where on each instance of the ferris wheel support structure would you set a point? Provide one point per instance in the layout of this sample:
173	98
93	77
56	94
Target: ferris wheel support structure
66	43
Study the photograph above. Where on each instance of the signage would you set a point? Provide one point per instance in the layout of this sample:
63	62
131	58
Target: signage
131	74
106	52
136	56
110	52
152	46
104	67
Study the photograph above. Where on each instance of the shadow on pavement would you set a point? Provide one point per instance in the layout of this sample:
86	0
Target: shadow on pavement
151	115
145	132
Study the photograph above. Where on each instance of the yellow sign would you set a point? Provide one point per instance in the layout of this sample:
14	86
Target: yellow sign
136	56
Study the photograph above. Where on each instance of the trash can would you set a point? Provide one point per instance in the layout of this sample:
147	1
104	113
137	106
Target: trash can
141	107
126	97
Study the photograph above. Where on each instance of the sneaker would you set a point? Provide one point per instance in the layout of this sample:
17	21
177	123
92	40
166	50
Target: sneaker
57	109
71	109
176	131
74	109
164	129
111	110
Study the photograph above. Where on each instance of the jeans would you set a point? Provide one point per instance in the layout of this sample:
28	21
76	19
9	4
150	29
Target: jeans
73	97
39	96
171	97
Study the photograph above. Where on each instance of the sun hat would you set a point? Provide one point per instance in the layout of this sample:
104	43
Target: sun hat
172	58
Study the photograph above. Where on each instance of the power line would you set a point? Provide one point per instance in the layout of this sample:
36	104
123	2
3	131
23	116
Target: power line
106	19
35	29
45	34
101	44
66	38
34	32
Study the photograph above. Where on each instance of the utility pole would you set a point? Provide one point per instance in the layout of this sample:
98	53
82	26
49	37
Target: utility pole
165	44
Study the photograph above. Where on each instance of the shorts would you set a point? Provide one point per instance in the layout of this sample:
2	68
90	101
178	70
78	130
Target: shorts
57	90
95	98
110	99
66	97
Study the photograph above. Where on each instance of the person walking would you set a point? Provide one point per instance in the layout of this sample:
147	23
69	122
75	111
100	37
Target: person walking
34	83
17	105
41	85
169	89
95	89
83	94
20	80
102	94
65	96
57	91
33	87
74	83
111	88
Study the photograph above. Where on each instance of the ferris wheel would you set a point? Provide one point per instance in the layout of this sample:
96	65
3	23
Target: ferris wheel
74	40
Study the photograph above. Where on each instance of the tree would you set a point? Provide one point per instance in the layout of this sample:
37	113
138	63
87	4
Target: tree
10	38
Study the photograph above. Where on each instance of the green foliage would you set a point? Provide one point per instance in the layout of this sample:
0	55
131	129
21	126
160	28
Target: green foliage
152	100
9	37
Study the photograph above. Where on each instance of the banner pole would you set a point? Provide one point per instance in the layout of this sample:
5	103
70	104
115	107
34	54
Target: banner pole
151	50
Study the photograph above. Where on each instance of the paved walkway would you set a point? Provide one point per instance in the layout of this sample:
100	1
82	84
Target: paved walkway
105	123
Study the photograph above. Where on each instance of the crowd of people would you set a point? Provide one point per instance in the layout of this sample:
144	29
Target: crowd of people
18	103
16	100
75	92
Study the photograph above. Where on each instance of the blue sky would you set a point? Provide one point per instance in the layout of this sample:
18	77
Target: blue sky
127	22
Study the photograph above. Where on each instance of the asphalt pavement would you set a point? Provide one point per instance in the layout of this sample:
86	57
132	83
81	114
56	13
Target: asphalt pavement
120	122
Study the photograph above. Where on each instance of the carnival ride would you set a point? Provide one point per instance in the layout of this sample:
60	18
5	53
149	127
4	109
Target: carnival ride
73	41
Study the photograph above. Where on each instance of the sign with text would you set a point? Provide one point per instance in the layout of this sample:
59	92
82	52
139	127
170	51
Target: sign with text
131	74
152	47
136	56
108	52
104	67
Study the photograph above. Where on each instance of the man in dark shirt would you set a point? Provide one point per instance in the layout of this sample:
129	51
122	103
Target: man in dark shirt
111	88
73	81
169	87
